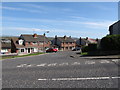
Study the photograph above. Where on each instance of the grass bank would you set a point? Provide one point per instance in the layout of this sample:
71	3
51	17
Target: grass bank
33	54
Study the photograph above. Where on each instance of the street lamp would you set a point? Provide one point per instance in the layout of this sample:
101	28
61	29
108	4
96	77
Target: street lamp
44	41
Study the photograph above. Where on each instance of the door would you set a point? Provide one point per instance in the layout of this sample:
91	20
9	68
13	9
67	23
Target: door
28	50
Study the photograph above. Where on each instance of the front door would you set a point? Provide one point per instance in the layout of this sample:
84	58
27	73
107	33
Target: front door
28	50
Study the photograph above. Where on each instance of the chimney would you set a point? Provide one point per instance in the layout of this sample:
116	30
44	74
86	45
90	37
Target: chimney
55	36
86	38
65	37
80	40
55	40
44	34
35	35
97	39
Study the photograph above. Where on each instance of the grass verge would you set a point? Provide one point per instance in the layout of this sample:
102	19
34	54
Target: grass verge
33	54
84	53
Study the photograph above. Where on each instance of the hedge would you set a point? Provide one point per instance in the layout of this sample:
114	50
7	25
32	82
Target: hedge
110	42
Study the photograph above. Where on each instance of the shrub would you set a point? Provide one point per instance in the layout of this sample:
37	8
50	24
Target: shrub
110	42
92	47
85	49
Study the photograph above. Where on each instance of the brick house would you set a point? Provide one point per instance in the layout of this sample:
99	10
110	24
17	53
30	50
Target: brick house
63	43
5	46
29	44
114	29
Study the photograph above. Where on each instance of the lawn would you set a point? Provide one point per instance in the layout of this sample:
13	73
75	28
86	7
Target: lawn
8	57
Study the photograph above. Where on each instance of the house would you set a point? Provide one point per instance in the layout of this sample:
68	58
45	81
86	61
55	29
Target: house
114	29
5	46
63	43
29	44
85	41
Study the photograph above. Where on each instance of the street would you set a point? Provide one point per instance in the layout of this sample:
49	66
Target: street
60	70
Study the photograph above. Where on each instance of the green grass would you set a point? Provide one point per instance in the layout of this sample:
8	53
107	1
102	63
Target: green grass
22	55
84	53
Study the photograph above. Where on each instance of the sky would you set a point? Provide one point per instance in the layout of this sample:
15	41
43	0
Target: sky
76	19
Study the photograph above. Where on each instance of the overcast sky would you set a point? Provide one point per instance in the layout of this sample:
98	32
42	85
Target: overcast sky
79	19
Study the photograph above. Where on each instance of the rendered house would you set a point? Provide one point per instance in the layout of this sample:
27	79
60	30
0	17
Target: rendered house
63	43
5	46
115	28
30	44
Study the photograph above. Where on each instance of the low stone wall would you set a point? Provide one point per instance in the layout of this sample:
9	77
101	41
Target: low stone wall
95	53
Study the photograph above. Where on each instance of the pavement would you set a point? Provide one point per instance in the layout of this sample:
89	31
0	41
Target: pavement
60	70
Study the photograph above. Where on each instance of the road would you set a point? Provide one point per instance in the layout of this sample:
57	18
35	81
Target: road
60	70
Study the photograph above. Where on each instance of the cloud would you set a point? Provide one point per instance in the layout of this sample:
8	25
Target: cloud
92	24
53	32
22	9
47	8
23	29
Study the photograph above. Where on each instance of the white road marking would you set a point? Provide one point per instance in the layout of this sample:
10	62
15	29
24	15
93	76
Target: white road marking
104	61
115	77
115	60
41	65
76	79
42	79
76	63
62	64
53	64
89	62
29	65
21	65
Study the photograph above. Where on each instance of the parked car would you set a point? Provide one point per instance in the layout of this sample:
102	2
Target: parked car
76	49
52	50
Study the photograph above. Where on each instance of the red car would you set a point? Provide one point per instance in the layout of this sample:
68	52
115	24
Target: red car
51	50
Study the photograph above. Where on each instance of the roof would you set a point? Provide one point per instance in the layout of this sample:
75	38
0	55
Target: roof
67	39
5	45
115	23
16	44
30	38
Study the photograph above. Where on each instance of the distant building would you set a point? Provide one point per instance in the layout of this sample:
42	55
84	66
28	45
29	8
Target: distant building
63	43
115	28
85	41
29	44
5	46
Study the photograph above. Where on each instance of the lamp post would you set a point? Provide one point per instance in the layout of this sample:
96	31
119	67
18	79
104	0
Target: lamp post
44	40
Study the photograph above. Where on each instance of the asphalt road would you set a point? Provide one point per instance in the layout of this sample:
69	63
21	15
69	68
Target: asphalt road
60	70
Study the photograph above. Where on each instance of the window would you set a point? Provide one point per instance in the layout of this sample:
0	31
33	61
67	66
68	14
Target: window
41	43
70	47
34	43
22	50
66	47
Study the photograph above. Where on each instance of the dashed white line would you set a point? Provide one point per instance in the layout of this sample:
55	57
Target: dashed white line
104	61
76	63
53	64
115	60
62	64
76	79
42	65
89	62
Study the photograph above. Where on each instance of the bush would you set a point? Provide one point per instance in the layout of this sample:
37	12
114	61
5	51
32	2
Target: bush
85	49
92	47
110	42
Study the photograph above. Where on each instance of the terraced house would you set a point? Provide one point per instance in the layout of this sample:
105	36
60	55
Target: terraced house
64	43
5	46
30	44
